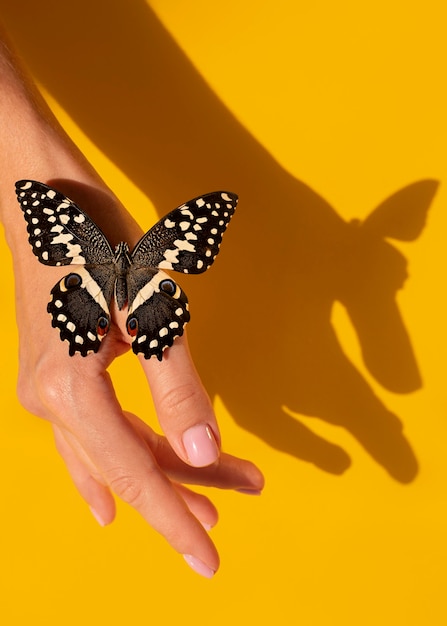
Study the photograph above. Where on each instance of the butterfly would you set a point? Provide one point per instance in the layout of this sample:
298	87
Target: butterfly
185	240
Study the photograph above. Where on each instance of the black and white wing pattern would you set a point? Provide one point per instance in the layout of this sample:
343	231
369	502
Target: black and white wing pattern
80	309
60	233
186	240
157	311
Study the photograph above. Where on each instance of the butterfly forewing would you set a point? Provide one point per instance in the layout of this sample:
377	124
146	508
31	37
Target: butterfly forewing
60	233
188	239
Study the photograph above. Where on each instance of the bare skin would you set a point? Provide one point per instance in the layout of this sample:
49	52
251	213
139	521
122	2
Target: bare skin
107	450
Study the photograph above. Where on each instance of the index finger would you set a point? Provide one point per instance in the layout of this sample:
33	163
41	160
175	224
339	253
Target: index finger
183	407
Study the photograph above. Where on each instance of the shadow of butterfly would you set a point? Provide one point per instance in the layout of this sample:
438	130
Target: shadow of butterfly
186	240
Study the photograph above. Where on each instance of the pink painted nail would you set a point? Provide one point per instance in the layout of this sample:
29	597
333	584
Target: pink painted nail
250	492
200	445
199	566
97	517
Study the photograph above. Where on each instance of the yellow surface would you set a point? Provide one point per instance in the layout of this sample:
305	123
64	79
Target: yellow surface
314	363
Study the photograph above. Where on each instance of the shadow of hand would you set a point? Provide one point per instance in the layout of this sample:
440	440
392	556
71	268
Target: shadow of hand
261	332
271	351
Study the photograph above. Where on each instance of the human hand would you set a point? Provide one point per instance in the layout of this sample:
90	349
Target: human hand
109	451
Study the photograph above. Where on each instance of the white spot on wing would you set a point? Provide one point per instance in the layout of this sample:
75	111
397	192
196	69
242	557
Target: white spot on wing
183	244
74	251
187	213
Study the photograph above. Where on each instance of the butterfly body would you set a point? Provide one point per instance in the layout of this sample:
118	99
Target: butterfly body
123	262
186	240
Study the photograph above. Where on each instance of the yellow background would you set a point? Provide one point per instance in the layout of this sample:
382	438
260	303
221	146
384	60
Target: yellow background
324	111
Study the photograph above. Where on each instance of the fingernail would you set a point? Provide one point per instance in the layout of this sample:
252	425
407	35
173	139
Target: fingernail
199	566
200	445
97	517
250	492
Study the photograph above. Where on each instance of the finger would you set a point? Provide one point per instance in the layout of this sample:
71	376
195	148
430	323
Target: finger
229	472
127	466
98	496
95	493
200	506
183	406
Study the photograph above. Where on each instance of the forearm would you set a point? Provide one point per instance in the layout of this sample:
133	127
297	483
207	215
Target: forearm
33	145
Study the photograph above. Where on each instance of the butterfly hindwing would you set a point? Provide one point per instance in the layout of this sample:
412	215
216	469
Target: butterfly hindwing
80	310
158	311
60	233
188	239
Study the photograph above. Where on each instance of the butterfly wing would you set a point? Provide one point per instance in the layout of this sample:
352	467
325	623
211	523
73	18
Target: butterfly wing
188	239
158	311
80	308
60	233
